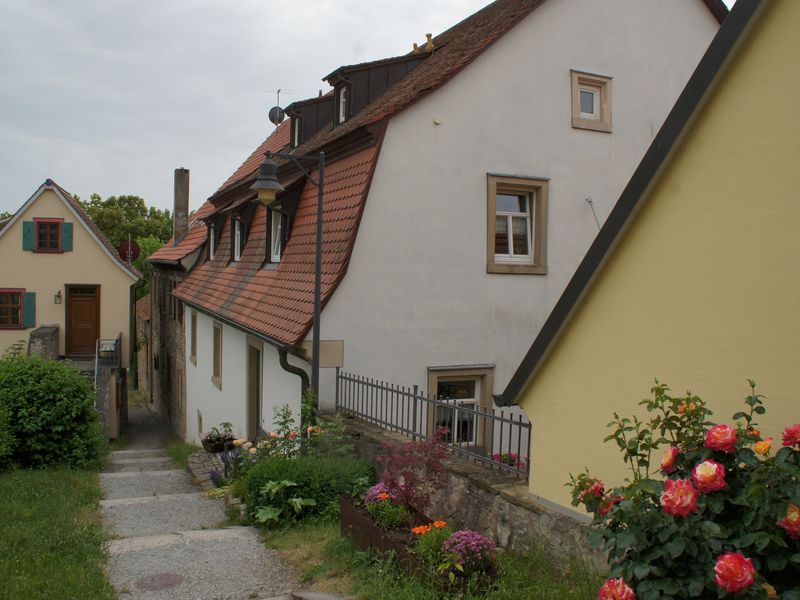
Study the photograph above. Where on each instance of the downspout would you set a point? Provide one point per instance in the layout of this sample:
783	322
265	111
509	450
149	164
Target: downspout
284	362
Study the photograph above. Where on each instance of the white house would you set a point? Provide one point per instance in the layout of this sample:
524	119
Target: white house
464	183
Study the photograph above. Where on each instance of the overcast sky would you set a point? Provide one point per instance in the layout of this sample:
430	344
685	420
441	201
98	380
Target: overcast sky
109	96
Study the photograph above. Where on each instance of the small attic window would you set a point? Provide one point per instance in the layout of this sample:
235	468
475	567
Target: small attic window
297	126
341	105
591	102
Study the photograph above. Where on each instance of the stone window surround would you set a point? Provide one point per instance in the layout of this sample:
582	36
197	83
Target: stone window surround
601	85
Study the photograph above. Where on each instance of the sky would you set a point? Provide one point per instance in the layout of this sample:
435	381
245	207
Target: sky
110	96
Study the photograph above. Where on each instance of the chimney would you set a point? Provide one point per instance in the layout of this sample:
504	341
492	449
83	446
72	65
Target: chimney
180	215
429	43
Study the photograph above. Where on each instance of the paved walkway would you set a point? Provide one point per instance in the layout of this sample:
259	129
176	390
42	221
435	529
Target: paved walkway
166	537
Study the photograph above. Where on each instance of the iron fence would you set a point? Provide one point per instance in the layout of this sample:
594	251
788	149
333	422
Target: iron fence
497	438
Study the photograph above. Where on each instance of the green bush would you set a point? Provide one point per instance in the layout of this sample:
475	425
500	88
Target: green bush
320	479
50	411
6	439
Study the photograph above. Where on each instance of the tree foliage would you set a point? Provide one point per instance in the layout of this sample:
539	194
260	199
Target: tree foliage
121	216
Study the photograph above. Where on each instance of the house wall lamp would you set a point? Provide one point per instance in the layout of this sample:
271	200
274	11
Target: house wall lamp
57	298
268	187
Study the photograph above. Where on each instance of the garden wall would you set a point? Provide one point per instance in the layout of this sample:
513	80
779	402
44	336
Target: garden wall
497	505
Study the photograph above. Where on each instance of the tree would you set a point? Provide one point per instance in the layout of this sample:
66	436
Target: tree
121	216
4	214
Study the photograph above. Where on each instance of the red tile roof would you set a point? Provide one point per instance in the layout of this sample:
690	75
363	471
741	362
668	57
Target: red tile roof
195	237
274	142
278	302
143	308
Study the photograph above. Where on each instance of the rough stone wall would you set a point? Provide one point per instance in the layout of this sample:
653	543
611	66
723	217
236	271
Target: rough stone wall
497	505
44	342
143	357
168	348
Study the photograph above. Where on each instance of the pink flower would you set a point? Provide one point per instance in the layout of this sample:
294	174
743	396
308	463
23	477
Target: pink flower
608	504
273	435
292	435
597	489
679	498
668	460
615	589
791	435
721	437
733	572
709	476
791	522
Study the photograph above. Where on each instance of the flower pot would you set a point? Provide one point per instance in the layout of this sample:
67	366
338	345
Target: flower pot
213	446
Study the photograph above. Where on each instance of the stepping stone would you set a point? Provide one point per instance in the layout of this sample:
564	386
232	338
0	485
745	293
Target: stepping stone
145	483
227	563
139	464
144	516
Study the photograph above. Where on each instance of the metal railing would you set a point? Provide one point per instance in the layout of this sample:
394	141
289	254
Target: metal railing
494	437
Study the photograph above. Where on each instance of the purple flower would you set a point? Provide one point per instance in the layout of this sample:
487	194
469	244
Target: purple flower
473	550
396	492
215	477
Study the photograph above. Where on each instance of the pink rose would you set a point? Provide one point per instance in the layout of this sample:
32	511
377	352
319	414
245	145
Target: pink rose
733	572
679	498
668	460
609	503
791	522
721	437
615	589
791	435
709	476
597	489
292	435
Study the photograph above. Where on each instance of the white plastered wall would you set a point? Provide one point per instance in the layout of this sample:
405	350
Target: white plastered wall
229	403
417	293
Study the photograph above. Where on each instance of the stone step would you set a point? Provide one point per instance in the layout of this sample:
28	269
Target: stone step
190	565
150	453
121	465
145	483
162	514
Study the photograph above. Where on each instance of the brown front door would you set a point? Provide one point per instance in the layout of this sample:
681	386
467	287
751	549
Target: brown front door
83	318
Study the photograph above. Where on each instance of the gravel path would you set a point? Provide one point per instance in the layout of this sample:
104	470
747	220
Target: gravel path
166	536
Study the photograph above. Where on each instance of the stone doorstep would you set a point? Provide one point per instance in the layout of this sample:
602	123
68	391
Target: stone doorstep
147	499
199	536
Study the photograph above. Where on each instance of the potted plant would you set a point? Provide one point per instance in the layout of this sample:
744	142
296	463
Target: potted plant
218	438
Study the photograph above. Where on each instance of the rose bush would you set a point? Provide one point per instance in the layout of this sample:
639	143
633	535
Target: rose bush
725	522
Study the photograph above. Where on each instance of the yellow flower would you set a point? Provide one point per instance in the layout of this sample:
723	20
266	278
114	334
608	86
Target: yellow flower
763	447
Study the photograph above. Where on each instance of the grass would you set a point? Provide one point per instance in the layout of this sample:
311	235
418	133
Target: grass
326	562
52	537
179	451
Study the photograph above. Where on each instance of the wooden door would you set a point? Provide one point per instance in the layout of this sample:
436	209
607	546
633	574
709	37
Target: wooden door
83	319
253	388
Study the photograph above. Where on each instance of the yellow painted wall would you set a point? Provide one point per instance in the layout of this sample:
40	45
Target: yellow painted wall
46	274
704	289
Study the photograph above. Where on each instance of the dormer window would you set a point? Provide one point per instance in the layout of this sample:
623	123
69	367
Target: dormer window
297	126
276	232
238	238
341	104
212	241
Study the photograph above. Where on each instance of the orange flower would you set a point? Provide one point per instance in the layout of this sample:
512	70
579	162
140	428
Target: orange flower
421	530
440	524
383	496
763	447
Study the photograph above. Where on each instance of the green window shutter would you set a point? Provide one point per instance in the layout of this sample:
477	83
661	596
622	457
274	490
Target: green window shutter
28	235
29	310
66	237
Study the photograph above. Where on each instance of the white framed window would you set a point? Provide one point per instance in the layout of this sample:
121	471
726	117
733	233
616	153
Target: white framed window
341	104
238	239
277	224
460	394
212	242
297	124
516	225
591	101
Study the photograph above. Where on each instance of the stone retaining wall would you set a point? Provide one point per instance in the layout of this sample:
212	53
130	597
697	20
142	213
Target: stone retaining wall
488	501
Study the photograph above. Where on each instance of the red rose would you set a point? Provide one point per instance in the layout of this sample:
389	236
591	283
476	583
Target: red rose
733	572
721	437
679	497
668	460
791	435
608	504
791	522
709	476
615	589
597	489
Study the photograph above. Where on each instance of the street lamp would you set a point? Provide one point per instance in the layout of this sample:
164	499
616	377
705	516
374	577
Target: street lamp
268	186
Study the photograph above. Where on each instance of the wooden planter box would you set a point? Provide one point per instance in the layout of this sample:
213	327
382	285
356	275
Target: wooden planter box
364	533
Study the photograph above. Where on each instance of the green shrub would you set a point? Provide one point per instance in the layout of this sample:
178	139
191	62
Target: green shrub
388	514
6	439
320	479
50	411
